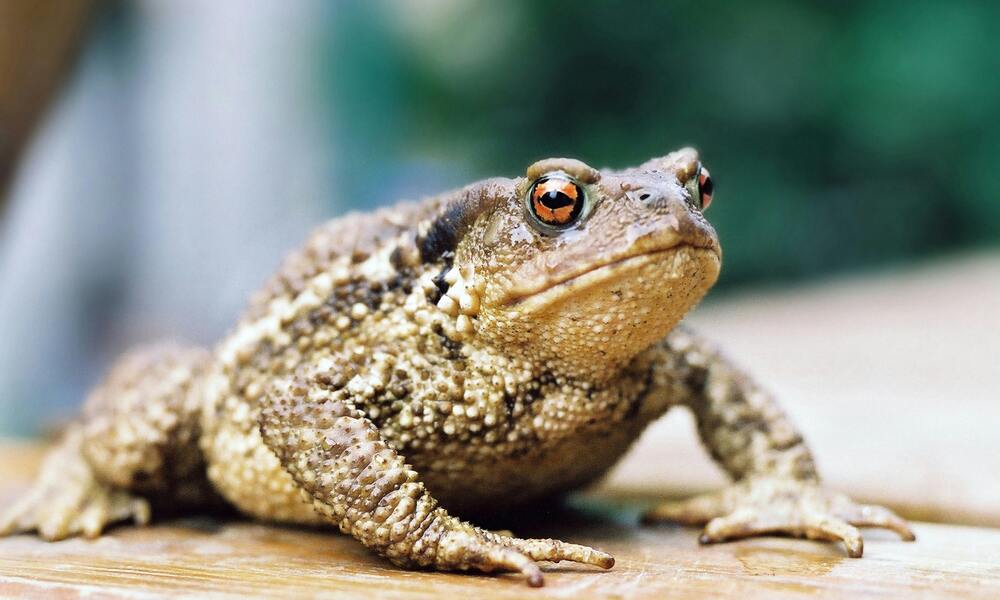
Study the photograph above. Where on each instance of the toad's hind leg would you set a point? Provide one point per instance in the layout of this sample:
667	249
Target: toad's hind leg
137	439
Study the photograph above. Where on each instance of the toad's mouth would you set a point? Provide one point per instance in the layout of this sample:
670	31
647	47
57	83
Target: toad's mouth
675	260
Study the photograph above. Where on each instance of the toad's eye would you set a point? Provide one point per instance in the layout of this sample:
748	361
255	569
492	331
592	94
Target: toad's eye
701	187
555	200
705	187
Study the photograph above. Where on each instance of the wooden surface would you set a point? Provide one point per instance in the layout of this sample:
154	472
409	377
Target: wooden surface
894	379
207	557
202	558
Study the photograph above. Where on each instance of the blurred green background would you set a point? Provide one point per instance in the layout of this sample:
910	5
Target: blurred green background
840	134
198	142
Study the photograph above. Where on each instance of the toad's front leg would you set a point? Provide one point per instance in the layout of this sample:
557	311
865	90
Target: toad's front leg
136	441
365	487
777	489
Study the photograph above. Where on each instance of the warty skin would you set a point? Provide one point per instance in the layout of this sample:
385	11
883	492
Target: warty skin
498	345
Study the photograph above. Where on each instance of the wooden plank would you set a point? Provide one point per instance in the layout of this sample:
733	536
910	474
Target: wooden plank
208	557
203	557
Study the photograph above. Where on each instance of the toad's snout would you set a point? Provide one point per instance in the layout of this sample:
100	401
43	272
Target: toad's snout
670	220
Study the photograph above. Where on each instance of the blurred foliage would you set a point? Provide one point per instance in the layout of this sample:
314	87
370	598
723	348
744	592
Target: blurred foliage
840	134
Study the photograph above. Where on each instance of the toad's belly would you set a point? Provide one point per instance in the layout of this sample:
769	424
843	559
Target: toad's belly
495	484
249	475
240	465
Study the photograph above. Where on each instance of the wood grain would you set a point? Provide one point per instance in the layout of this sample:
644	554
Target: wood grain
219	558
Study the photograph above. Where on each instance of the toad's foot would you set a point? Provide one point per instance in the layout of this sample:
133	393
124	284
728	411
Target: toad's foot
765	505
68	500
470	548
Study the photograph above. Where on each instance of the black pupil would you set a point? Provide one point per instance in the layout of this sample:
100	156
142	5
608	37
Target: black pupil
555	199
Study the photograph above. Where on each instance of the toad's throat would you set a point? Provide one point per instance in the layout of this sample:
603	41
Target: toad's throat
551	291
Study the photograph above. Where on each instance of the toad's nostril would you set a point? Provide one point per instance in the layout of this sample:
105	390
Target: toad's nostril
644	196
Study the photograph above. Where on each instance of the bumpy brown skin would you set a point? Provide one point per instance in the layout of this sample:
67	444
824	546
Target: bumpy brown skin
451	357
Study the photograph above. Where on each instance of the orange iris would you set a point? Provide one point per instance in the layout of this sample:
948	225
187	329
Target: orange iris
556	200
